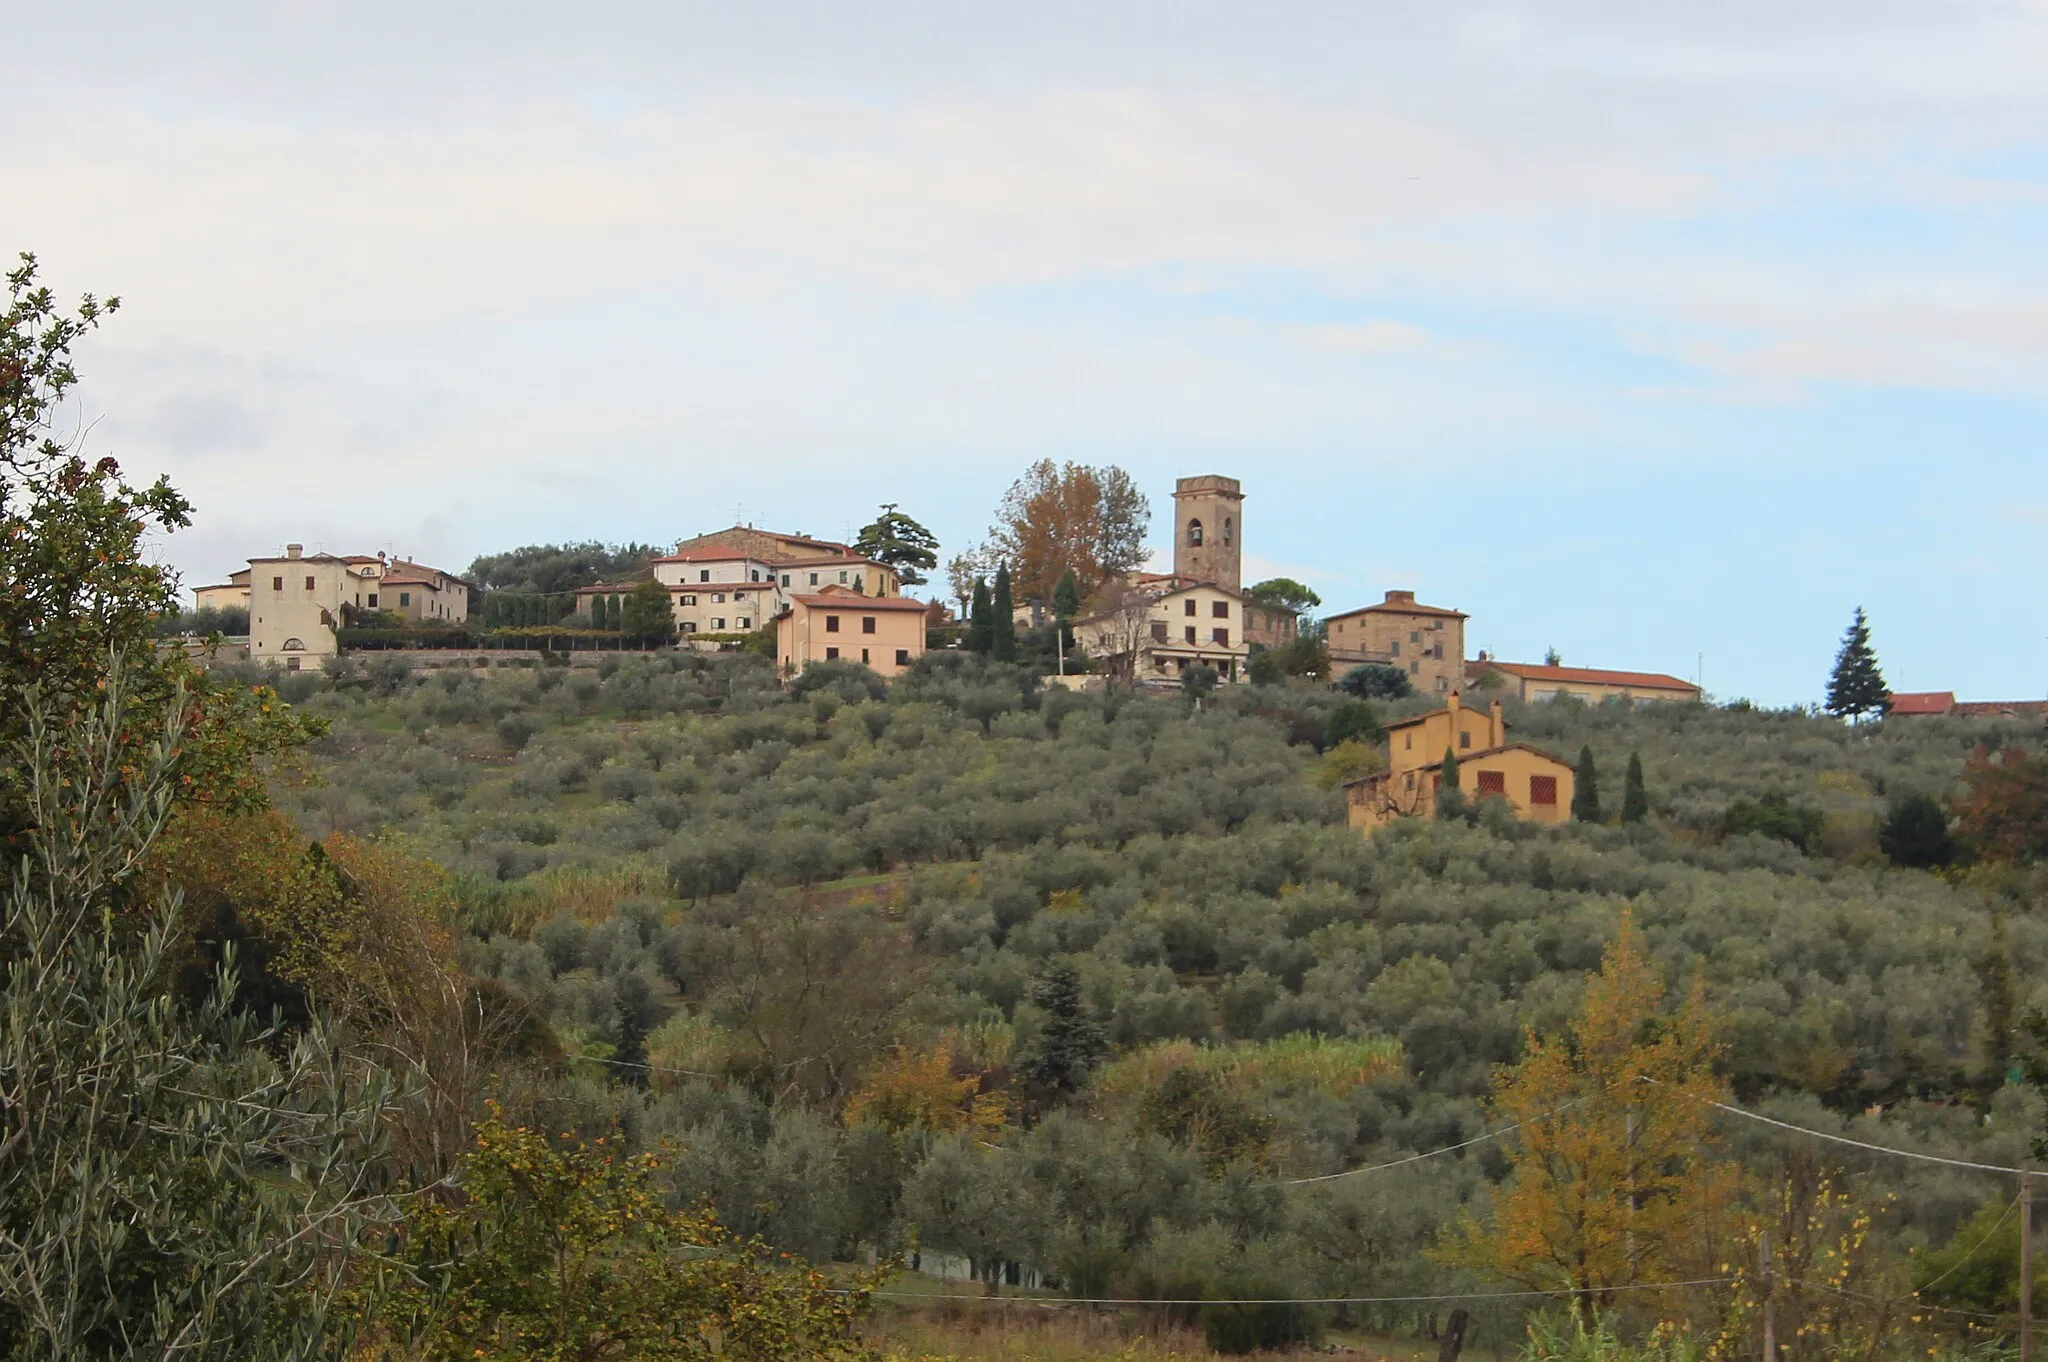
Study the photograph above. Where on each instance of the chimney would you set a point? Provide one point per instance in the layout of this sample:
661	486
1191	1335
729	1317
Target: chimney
1400	598
1451	705
294	550
1500	726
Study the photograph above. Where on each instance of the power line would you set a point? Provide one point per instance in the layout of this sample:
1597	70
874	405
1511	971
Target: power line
1433	1153
1865	1144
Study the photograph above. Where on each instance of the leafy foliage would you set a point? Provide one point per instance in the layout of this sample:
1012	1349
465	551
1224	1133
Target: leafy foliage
564	1250
1376	681
894	538
1058	518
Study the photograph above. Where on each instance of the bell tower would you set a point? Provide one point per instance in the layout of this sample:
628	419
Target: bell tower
1208	526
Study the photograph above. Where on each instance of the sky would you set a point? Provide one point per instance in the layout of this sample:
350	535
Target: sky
1663	334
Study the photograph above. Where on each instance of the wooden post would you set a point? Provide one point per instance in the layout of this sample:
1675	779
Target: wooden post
1770	1281
2026	1268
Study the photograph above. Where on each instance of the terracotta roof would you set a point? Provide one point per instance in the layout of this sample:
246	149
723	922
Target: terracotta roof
1923	702
1466	758
831	559
1586	675
1991	709
853	600
1410	722
1402	608
414	579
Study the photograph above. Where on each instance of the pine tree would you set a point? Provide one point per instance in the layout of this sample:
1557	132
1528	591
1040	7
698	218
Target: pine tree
1857	687
1071	1042
1585	789
1635	800
1450	798
1003	636
981	626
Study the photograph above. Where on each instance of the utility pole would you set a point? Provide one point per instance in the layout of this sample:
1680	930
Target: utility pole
1770	1280
2026	1268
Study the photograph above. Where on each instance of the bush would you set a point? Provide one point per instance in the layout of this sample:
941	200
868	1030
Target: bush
1376	681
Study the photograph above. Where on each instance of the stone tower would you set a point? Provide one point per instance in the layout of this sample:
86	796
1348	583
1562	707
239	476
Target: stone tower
1208	526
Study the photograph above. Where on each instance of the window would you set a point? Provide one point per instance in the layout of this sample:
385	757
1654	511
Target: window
292	645
277	583
1190	633
1415	636
291	664
863	657
1228	529
1220	637
703	574
1543	790
404	598
903	657
814	579
1194	534
1220	609
1415	669
1465	738
831	654
689	600
1187	607
689	626
1158	631
785	579
309	584
867	624
1443	683
746	621
1408	742
842	578
756	577
831	624
1493	783
373	600
718	624
1394	648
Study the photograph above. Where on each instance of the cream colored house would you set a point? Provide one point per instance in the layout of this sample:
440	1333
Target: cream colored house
718	590
838	624
297	601
1535	784
1527	681
1157	634
1425	641
233	594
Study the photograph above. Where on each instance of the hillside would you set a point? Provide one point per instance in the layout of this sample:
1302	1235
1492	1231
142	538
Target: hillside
762	890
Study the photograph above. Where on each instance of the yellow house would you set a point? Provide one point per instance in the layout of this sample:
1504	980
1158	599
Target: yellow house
1535	784
884	633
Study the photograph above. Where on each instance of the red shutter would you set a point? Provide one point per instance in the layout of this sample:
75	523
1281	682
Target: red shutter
1543	789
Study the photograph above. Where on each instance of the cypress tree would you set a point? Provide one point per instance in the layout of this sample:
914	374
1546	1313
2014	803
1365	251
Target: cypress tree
1004	607
1585	789
981	628
1857	687
1072	1041
1635	800
1450	796
1066	607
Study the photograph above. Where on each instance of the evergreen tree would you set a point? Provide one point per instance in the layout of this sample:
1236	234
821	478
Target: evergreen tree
1450	797
981	620
1857	687
902	543
1635	800
1003	619
1066	607
1915	833
1071	1042
1585	789
634	1006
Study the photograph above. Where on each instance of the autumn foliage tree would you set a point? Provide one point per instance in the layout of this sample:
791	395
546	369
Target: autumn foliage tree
1059	517
2002	814
1611	1170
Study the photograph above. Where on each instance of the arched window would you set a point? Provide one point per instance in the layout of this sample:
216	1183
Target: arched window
1227	529
292	645
1194	534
